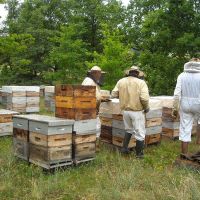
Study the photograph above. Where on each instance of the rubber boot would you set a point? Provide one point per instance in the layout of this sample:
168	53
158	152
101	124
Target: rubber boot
126	141
139	149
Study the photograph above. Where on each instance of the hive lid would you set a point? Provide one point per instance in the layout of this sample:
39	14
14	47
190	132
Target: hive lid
51	121
8	112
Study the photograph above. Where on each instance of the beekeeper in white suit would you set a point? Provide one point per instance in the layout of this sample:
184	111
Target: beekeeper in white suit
95	78
187	102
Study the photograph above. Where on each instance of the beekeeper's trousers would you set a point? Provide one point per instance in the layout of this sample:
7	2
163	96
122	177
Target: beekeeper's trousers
134	122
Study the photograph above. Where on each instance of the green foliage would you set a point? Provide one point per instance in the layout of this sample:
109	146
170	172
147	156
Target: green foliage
170	36
68	57
14	64
68	37
115	58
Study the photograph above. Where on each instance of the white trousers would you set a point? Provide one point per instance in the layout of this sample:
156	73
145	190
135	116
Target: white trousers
134	122
188	113
98	127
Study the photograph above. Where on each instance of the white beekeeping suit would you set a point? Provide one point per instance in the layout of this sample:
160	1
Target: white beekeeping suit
187	97
94	79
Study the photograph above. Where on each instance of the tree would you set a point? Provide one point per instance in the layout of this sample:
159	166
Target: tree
169	37
68	58
115	59
14	64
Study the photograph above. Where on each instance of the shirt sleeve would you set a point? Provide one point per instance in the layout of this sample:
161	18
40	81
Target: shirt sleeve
115	91
177	91
144	96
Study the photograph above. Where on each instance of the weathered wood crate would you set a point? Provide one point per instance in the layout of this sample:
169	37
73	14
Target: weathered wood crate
170	130
50	98
76	114
75	102
6	123
84	152
84	147
51	157
106	134
105	121
23	99
153	139
118	138
21	137
50	141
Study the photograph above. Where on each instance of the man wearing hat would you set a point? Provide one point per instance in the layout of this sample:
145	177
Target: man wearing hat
95	78
187	102
134	102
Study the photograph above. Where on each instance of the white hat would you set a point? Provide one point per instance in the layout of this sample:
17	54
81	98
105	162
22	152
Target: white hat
134	68
96	68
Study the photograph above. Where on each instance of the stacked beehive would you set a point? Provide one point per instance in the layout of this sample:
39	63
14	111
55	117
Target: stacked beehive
6	123
170	126
154	122
50	98
79	103
24	99
21	136
43	140
106	112
113	129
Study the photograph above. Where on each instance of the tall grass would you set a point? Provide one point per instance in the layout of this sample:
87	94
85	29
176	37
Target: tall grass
111	176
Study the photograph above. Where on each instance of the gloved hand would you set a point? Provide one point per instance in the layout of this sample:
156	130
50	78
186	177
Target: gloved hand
146	110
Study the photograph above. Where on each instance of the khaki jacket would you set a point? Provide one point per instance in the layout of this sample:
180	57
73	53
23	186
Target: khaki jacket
133	94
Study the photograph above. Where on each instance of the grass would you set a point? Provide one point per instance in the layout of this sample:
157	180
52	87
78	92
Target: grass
110	177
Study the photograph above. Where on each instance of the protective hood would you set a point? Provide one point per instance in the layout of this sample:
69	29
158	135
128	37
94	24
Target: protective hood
192	67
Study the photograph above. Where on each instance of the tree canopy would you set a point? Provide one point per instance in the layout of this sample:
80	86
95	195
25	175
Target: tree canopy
57	41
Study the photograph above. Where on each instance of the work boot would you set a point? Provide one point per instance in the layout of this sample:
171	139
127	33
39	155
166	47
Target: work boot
126	141
139	149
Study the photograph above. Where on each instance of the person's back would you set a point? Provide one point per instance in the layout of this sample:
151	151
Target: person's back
190	83
133	93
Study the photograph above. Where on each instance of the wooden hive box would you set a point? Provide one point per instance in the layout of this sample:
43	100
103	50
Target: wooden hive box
50	141
106	134
84	126
75	102
76	114
21	137
105	121
118	138
6	122
170	129
84	146
84	151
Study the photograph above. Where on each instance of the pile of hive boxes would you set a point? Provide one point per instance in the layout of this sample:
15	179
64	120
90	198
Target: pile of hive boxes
49	93
43	140
6	123
23	99
170	125
113	129
79	103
